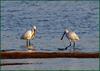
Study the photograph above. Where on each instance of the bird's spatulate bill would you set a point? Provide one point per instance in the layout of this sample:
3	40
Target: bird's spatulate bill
63	35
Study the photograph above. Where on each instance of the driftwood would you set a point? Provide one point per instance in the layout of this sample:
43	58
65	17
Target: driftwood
47	54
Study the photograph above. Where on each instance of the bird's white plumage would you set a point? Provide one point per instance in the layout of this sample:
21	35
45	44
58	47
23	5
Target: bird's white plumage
72	36
34	27
66	31
28	34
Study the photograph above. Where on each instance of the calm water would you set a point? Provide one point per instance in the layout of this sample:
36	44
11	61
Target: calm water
51	18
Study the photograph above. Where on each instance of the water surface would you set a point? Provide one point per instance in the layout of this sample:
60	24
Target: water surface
51	18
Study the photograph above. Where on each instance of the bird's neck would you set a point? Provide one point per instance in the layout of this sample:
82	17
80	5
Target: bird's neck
34	31
67	34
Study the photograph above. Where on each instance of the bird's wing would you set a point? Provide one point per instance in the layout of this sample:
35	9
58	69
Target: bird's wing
76	36
73	36
27	34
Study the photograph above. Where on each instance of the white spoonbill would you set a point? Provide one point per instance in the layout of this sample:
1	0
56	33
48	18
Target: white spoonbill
28	35
72	37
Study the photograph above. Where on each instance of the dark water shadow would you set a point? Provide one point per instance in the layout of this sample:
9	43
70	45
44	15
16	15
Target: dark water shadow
5	64
7	50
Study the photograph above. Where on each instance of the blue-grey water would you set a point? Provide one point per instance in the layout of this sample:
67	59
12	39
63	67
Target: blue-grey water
51	18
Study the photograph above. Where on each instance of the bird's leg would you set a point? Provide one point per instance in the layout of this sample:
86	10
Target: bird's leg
73	45
29	43
68	46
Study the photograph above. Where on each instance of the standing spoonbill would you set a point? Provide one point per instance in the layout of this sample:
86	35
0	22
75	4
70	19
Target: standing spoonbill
28	35
72	37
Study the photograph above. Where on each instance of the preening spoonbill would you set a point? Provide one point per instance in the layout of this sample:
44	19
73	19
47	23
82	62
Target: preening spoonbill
72	37
28	35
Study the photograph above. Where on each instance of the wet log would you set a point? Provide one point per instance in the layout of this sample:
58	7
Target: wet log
47	54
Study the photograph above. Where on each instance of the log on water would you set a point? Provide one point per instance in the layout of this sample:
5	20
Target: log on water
38	54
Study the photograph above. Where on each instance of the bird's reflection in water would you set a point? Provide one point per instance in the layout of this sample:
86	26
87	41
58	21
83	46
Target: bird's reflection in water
28	48
31	48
